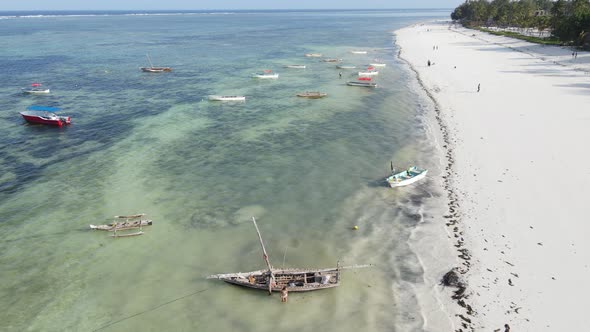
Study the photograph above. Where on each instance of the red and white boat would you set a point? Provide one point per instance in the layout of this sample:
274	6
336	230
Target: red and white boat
36	89
45	115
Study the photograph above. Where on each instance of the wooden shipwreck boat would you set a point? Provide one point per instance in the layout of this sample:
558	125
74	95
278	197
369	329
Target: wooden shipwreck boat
122	224
296	280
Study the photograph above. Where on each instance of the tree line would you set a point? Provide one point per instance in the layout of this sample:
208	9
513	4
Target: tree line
569	20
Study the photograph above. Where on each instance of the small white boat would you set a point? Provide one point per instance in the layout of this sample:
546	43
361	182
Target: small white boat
267	74
313	55
345	66
331	60
36	89
295	66
406	177
378	64
358	52
226	98
368	73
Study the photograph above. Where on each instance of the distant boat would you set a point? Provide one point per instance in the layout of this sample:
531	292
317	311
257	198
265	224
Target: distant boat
378	64
358	52
406	177
227	98
152	69
35	89
345	66
331	60
125	223
296	66
266	75
45	115
312	94
296	280
362	83
369	72
313	55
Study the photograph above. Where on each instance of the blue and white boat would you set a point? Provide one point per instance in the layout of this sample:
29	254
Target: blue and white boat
404	178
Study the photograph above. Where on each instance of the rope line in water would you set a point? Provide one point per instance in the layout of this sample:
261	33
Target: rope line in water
146	311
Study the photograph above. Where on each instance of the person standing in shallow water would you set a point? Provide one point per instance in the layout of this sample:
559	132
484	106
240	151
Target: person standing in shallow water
478	87
284	294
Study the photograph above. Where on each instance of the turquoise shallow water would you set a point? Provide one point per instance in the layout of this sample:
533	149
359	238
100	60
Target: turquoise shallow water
307	169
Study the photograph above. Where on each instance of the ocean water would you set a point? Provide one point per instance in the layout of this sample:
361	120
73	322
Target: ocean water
308	170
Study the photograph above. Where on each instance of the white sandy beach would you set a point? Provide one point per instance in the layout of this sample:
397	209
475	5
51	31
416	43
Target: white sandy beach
520	172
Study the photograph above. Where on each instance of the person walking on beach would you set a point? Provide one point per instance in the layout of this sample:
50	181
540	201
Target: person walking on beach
284	294
478	87
428	63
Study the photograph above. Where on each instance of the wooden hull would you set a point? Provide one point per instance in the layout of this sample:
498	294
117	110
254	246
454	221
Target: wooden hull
156	69
296	280
363	84
36	92
312	95
122	225
403	178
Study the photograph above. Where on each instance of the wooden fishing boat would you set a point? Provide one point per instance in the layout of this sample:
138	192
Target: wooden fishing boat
313	55
368	73
345	66
152	69
226	98
358	52
362	83
312	94
295	66
36	89
404	178
45	115
125	223
378	64
296	280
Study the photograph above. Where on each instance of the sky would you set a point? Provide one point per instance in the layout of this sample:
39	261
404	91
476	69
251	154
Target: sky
220	4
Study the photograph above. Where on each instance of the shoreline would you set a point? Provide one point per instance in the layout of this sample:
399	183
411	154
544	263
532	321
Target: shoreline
499	144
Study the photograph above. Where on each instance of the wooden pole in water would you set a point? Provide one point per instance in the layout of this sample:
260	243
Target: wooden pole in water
265	256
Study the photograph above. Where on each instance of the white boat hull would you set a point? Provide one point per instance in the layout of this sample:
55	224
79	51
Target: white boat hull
401	181
227	98
378	64
266	76
368	73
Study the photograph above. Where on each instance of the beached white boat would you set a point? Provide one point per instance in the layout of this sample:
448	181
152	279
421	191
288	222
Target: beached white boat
406	177
368	73
267	74
295	66
358	52
313	55
345	66
226	98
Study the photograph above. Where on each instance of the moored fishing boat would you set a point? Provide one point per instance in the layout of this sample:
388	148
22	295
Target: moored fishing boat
358	52
363	81
378	64
404	178
345	66
45	115
152	69
295	66
226	98
312	94
368	73
331	60
35	89
296	280
313	55
125	223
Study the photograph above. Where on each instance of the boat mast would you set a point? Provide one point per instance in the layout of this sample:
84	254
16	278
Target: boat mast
149	60
265	256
